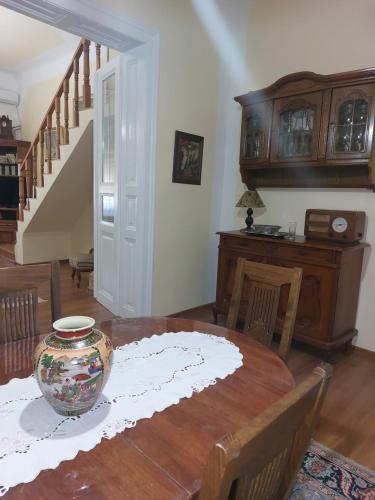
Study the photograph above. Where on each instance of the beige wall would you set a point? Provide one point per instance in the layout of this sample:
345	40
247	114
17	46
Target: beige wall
326	37
35	101
82	231
187	101
63	223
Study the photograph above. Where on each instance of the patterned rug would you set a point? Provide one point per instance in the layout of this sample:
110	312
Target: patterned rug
326	474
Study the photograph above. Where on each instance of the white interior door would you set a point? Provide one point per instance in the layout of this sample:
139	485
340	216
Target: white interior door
123	191
107	158
132	190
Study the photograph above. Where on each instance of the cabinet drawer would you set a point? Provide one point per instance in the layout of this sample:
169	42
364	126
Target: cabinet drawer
244	244
281	250
303	254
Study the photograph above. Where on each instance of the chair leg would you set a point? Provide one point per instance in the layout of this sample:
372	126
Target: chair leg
79	279
73	273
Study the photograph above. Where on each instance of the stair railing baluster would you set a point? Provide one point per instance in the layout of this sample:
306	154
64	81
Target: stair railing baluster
41	159
34	169
49	143
66	111
86	74
97	49
58	126
76	97
21	194
29	182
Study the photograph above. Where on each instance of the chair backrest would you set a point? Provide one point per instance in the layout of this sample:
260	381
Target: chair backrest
260	304
260	461
19	298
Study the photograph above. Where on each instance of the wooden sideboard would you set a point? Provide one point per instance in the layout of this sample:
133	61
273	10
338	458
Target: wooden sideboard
331	279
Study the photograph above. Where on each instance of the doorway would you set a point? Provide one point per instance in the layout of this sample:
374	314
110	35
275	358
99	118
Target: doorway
130	197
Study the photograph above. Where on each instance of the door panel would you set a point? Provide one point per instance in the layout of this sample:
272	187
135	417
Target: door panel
315	300
256	131
351	122
296	128
107	140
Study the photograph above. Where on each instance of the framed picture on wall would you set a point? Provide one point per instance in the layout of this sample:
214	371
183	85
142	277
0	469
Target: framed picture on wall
187	161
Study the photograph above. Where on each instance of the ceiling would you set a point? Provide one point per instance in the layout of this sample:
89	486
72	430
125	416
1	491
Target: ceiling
23	39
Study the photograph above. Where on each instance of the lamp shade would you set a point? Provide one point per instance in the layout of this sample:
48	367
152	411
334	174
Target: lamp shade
250	199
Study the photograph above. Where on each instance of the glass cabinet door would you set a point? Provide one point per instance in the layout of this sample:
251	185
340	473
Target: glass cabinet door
256	126
351	122
296	123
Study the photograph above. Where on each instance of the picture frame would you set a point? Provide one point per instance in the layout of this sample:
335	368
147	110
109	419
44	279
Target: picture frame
187	160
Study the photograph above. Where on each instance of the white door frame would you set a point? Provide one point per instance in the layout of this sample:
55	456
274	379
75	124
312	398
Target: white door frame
90	19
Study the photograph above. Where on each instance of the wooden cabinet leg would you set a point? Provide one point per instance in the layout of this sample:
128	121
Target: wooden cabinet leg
349	347
73	273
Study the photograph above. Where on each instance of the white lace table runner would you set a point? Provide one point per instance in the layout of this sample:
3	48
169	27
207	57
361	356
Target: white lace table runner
147	376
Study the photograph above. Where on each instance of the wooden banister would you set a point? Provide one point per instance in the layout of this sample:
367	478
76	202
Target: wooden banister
76	98
66	111
97	49
41	153
41	148
86	74
35	170
58	126
49	143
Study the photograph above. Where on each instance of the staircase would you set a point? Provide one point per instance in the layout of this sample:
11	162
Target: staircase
68	119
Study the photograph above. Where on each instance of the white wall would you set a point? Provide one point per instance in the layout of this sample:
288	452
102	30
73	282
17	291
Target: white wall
62	225
295	35
82	231
9	96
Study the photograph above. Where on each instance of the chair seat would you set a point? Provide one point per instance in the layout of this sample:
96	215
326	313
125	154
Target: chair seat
82	262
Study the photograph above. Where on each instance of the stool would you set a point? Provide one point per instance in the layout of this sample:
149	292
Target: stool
82	263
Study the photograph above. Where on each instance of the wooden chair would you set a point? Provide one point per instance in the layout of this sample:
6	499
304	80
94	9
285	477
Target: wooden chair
19	299
265	282
82	263
260	461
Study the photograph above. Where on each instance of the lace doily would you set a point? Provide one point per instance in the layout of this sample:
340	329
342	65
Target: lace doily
147	376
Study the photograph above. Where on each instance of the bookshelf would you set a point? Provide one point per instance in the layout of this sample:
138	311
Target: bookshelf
12	153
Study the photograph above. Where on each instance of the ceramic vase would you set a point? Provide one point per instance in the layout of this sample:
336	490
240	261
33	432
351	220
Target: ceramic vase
72	365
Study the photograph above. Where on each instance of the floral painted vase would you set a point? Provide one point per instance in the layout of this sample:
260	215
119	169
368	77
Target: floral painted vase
72	365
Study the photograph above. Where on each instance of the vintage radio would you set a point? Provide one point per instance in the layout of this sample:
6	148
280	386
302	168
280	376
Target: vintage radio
335	225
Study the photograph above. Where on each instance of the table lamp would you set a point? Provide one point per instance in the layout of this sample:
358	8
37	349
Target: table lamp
250	199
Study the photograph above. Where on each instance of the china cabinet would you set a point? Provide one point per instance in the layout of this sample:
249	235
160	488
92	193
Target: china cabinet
310	130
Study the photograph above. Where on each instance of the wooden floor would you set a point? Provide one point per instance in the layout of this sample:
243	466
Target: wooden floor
347	422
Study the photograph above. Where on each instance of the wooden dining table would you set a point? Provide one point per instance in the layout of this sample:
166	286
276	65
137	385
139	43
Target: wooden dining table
162	457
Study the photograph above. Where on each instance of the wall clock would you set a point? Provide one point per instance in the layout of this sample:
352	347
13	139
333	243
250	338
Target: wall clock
335	225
